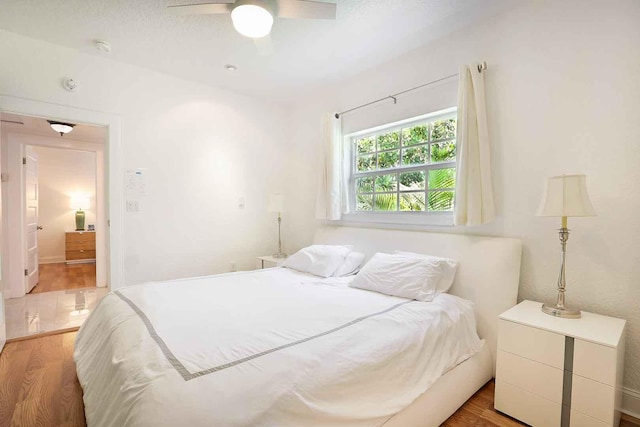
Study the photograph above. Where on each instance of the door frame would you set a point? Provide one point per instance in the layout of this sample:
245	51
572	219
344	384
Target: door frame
17	144
113	212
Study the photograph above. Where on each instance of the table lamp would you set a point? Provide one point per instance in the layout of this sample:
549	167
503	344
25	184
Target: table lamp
79	203
276	205
565	196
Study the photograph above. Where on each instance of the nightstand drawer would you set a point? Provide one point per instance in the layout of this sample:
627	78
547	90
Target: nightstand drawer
595	361
538	378
527	407
592	398
80	236
76	246
80	254
531	343
579	419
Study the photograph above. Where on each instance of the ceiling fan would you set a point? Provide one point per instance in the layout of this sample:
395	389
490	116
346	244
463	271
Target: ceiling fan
254	18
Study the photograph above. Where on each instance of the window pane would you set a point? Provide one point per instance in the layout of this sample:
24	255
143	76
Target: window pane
366	163
442	178
440	200
412	201
414	155
386	202
412	180
366	145
443	129
389	141
414	135
443	151
388	159
365	202
386	183
364	185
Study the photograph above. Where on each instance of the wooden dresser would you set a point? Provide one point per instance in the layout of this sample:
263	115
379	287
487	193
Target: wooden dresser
80	246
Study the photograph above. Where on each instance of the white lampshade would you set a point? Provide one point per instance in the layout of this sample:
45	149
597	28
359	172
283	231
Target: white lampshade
566	195
252	19
79	203
276	203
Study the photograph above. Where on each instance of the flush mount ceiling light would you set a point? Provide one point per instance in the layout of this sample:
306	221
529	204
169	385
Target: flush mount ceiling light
252	18
230	67
61	127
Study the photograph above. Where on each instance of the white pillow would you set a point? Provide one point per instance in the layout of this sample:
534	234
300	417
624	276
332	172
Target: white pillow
400	275
449	269
351	264
319	260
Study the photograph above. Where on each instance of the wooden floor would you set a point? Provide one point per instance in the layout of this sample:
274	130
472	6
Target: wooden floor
38	383
39	387
60	276
478	411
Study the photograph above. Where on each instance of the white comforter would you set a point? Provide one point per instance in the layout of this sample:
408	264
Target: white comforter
266	348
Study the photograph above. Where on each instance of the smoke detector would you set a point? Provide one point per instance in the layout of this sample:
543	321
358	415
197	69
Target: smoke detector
70	85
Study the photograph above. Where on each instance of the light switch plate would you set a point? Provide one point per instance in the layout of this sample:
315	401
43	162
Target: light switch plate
133	206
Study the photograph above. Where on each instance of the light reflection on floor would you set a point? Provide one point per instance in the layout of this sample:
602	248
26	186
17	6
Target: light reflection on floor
50	311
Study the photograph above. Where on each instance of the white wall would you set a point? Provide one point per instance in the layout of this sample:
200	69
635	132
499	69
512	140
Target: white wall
62	173
562	94
202	148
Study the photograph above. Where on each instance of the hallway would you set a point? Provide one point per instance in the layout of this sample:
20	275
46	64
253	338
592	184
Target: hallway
62	276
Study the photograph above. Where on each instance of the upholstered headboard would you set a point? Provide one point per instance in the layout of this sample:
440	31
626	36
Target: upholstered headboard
489	269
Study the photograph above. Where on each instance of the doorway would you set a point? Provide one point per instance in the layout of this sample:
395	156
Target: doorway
56	223
65	221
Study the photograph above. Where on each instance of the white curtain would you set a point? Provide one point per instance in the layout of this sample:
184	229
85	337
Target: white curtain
474	193
329	202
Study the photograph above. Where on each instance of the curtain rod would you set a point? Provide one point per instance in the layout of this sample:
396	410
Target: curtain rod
481	67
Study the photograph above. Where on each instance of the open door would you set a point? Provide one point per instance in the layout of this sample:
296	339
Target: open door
3	322
30	163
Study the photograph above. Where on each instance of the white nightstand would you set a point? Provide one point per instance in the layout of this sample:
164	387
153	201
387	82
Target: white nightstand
270	261
559	372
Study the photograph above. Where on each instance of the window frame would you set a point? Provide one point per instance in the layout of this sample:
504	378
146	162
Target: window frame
438	218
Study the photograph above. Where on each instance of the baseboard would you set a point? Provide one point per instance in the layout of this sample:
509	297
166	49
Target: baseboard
631	402
51	259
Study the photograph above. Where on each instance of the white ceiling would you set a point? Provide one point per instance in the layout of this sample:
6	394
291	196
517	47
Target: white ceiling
307	52
39	126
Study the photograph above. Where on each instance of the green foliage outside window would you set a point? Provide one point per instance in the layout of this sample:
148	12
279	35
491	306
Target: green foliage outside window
389	141
417	190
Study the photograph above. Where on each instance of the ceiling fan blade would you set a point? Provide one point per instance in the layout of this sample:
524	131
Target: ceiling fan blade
264	45
214	7
306	9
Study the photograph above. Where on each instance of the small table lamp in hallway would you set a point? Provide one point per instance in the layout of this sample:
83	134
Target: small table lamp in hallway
276	205
79	203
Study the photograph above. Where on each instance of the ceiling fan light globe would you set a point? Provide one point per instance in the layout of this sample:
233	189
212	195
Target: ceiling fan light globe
252	20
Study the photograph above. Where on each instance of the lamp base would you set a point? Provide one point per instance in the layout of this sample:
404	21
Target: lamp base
280	255
564	312
80	220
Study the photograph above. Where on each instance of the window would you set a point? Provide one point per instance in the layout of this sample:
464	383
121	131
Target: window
407	167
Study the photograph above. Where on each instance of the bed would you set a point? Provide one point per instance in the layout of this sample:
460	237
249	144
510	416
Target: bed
281	348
